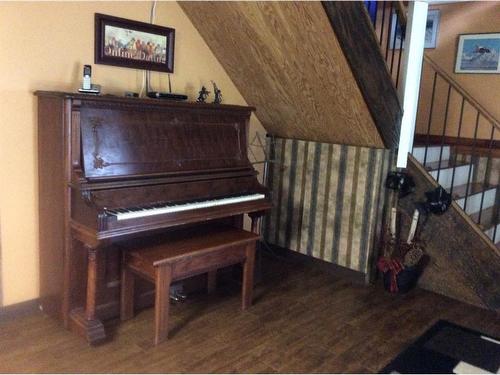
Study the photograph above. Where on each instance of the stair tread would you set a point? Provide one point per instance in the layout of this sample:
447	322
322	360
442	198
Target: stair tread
489	217
474	188
435	165
423	145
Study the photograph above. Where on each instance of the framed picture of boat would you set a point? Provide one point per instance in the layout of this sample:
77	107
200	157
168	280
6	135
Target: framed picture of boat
133	44
478	53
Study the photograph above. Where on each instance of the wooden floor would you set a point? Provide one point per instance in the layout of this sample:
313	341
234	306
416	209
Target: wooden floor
304	320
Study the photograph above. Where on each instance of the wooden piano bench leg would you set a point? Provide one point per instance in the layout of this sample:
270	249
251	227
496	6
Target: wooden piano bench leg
127	293
162	302
248	270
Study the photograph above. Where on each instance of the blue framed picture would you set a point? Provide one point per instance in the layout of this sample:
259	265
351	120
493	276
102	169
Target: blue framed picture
478	53
431	30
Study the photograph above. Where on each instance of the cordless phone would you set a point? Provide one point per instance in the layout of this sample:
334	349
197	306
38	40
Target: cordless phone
87	73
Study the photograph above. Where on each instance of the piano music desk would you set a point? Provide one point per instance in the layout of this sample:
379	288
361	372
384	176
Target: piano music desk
184	254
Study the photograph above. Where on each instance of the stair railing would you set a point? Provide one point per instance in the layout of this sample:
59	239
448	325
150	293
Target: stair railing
389	23
485	141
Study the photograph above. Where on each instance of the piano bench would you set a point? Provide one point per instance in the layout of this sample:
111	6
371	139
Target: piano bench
184	254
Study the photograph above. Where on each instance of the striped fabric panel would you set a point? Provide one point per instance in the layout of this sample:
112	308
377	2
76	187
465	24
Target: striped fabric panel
327	200
333	200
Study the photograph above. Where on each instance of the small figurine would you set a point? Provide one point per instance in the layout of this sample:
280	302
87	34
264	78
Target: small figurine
217	93
203	95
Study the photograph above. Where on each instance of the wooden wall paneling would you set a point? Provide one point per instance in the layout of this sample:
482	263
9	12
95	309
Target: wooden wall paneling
285	60
327	200
355	34
466	265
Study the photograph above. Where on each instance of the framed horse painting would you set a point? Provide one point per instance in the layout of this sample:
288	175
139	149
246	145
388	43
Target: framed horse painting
133	44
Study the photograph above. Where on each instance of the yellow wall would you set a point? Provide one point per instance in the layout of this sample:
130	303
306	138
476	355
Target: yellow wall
45	47
469	17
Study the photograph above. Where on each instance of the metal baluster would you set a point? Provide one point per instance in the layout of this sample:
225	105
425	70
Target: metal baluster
486	172
470	165
496	224
444	132
382	25
403	36
430	117
394	40
389	33
456	151
420	91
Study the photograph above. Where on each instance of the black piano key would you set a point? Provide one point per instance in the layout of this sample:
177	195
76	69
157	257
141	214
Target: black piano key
136	208
154	205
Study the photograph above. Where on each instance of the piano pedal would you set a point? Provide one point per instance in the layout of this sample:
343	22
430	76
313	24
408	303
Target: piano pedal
174	298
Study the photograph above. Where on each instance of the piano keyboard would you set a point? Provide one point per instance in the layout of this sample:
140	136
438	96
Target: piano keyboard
133	213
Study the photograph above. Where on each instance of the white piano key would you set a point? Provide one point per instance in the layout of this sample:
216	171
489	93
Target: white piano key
187	206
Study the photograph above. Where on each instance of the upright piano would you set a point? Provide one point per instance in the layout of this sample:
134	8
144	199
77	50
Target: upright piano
115	169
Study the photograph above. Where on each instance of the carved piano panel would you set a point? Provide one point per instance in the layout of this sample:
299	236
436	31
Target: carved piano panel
127	142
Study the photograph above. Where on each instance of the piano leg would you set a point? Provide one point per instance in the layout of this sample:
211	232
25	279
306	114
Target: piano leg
91	283
84	321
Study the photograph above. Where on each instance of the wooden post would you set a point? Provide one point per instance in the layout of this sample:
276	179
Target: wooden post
412	68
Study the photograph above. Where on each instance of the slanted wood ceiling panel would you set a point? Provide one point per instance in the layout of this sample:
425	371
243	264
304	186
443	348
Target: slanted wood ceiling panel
286	61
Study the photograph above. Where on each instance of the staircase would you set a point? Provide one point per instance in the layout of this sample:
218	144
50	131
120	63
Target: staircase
457	146
460	147
455	172
462	156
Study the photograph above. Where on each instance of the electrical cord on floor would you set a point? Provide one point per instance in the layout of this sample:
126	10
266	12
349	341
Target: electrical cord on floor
268	250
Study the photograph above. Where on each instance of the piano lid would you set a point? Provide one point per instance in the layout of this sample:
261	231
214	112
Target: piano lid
120	141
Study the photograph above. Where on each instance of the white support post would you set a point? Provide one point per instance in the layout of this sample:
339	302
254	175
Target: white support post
412	69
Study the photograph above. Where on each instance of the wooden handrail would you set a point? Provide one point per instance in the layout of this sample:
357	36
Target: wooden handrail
483	111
